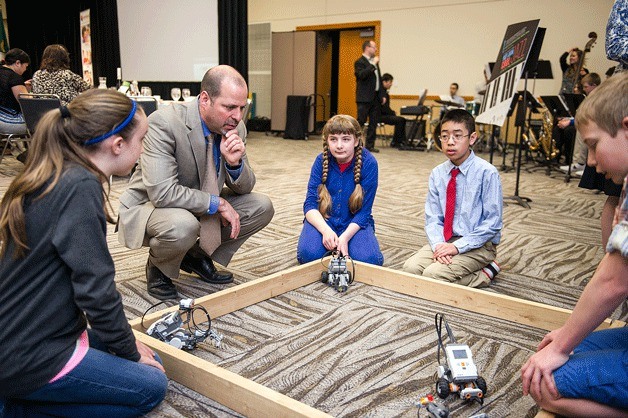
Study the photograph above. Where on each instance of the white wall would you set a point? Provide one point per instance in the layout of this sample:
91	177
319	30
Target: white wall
431	43
167	40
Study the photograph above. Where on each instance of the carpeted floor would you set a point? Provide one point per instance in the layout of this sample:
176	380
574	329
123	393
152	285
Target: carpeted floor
372	352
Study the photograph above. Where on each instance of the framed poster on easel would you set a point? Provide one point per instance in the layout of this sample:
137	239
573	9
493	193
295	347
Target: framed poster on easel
507	71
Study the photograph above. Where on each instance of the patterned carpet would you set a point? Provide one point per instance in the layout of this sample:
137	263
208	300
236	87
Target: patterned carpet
371	352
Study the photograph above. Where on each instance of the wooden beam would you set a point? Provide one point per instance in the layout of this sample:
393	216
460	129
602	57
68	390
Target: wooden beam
246	294
481	301
236	392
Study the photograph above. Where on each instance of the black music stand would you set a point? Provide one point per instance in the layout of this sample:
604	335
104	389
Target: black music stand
573	101
531	67
523	119
564	107
513	105
556	107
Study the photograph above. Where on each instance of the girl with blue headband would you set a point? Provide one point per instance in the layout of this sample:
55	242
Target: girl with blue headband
57	275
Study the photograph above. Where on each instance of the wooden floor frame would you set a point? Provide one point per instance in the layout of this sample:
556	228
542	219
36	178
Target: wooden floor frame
254	400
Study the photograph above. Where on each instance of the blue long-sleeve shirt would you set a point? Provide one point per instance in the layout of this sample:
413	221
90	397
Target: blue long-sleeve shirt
479	201
340	186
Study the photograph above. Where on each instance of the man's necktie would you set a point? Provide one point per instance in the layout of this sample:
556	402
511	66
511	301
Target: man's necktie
450	205
210	224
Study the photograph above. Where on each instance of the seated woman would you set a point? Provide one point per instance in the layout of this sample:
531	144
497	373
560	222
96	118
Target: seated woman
12	84
340	195
55	77
54	217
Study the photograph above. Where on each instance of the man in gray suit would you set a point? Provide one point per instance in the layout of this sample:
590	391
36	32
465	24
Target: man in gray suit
164	204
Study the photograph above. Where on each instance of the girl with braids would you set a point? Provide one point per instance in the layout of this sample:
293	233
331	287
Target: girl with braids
57	275
340	195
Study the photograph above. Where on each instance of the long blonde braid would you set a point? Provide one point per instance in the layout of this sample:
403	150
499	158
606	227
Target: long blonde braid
324	198
355	201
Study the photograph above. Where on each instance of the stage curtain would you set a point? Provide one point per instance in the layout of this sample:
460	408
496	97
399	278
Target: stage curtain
33	28
233	40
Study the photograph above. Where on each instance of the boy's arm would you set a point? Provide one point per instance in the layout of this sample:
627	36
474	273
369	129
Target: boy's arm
434	215
606	290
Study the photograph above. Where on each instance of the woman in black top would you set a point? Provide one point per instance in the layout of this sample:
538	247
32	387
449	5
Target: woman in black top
57	275
12	84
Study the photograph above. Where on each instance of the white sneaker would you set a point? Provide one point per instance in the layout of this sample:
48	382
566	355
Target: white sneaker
574	167
577	173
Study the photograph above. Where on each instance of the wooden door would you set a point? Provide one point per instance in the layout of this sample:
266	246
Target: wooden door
349	51
324	50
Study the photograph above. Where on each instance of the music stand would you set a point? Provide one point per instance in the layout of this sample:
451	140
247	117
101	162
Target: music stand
573	101
556	106
564	107
513	105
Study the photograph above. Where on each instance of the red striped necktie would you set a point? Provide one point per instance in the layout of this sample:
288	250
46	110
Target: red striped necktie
450	205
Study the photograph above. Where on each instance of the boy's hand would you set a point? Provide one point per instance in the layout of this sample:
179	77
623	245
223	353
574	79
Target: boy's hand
444	252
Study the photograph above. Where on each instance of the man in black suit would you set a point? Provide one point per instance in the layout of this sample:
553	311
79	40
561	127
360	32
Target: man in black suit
389	116
369	91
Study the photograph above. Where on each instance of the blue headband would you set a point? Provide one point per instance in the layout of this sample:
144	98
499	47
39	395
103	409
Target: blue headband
115	130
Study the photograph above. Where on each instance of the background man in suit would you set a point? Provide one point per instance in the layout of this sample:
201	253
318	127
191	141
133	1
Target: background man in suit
164	202
369	91
389	116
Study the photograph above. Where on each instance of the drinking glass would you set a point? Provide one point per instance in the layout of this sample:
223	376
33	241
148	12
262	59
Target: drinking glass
102	83
146	91
175	93
185	93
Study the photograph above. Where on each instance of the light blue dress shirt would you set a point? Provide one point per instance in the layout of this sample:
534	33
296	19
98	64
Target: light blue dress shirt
479	204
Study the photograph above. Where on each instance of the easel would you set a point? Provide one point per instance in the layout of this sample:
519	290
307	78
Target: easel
530	67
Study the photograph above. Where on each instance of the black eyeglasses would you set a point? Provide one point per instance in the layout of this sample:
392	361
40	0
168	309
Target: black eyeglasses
456	137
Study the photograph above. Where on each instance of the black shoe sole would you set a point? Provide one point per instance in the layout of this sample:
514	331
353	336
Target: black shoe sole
164	297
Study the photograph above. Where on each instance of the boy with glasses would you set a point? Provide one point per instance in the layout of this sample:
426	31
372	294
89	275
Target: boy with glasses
463	211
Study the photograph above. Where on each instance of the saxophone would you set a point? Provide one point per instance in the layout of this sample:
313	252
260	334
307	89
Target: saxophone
545	142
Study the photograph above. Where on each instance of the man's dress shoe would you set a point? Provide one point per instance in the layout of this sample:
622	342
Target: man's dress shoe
158	284
205	269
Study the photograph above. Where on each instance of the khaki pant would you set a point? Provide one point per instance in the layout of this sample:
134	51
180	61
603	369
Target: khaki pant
172	232
465	269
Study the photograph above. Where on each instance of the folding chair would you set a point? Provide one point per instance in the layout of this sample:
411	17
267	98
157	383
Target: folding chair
148	103
34	106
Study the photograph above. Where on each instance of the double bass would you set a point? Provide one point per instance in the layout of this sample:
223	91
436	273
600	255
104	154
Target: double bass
587	48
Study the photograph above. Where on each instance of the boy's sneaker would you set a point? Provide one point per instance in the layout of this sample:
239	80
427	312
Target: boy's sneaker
491	270
574	167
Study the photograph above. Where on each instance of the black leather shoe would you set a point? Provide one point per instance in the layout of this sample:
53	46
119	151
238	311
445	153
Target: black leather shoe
205	269
372	149
22	157
158	284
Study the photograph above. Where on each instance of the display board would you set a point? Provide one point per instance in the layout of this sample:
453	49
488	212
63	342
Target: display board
510	63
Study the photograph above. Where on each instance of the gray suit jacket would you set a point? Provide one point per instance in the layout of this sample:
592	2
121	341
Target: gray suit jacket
171	171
